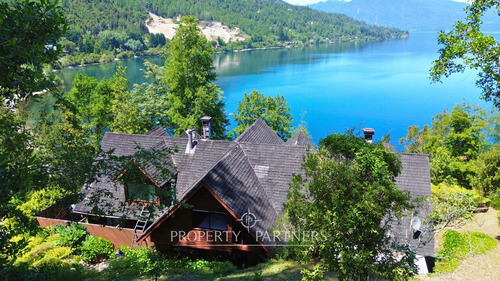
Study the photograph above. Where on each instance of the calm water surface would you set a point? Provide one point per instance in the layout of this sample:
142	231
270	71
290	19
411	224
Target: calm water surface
383	85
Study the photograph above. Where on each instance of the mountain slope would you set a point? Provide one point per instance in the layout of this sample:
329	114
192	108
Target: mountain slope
417	15
265	21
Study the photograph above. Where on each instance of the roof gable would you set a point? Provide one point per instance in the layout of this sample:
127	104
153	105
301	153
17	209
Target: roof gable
260	132
300	139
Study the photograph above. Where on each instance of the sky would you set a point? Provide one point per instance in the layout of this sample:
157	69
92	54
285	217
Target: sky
307	2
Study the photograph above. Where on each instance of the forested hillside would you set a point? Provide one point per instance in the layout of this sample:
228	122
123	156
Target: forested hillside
105	29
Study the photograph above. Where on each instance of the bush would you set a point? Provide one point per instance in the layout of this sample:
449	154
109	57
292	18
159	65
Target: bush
457	246
71	235
495	202
257	276
317	275
95	249
218	267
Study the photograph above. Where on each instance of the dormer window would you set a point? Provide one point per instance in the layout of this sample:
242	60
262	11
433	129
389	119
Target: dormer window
141	192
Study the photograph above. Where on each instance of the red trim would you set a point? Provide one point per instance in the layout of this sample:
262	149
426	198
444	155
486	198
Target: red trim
200	186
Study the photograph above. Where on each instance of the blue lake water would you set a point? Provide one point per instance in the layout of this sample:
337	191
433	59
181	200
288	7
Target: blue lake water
382	85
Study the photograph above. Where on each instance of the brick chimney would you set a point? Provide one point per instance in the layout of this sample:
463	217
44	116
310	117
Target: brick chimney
368	132
205	127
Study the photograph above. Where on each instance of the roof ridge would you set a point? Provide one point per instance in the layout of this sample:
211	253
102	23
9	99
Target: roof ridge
208	171
249	127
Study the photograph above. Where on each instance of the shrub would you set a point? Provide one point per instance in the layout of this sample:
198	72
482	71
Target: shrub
317	275
71	235
257	276
218	267
95	249
495	202
457	246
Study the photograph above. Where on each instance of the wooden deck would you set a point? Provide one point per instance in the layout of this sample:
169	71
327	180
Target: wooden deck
117	236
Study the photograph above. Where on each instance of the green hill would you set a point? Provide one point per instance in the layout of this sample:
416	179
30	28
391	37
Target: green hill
118	25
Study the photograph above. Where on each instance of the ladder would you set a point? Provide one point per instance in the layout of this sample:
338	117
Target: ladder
140	225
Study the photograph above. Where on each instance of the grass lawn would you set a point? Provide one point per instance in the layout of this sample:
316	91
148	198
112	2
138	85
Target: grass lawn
271	270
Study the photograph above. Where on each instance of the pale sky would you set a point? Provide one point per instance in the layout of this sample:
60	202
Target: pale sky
307	2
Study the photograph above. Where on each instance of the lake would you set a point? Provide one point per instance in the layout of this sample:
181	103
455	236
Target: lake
382	85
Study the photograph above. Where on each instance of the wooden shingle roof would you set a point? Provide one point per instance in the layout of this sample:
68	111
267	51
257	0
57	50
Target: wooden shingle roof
254	171
260	132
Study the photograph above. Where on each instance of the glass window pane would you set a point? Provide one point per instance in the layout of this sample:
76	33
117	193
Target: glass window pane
141	192
218	221
201	219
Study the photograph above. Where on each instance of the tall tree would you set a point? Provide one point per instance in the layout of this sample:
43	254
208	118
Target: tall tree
103	105
190	75
466	46
273	110
29	32
348	193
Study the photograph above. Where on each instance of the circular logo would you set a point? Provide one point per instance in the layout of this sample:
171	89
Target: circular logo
249	219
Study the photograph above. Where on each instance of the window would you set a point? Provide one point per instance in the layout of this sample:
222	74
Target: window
141	192
209	220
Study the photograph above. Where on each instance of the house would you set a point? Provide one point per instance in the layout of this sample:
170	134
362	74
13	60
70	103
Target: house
235	191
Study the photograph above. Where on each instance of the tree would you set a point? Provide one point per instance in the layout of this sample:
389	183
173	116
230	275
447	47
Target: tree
467	47
104	105
189	74
273	110
349	194
487	177
454	140
151	98
29	32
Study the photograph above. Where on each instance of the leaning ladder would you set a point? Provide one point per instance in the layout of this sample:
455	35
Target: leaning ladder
140	225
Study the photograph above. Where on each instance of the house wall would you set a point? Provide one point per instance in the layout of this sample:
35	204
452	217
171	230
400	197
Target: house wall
119	237
167	234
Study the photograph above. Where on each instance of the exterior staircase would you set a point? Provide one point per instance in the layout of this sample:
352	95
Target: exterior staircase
140	225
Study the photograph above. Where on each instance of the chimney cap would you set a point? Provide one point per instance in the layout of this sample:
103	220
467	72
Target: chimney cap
368	131
206	118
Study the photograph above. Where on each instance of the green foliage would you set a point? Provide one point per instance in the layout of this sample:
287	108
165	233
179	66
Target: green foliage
105	104
257	276
71	235
495	202
40	200
453	141
189	73
96	27
44	259
487	176
346	199
29	31
317	275
95	249
457	246
151	98
273	110
465	46
452	205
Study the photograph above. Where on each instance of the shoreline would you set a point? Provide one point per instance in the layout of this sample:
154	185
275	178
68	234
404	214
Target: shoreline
234	51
